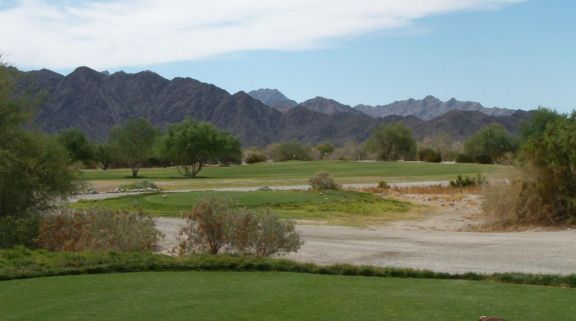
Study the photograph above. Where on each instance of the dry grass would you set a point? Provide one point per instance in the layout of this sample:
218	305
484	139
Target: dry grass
427	190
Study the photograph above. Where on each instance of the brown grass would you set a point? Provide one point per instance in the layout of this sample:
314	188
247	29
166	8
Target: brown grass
427	190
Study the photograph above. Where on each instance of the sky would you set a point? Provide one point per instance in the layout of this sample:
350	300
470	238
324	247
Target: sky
505	53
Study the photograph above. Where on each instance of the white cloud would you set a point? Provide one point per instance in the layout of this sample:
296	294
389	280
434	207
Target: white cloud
106	33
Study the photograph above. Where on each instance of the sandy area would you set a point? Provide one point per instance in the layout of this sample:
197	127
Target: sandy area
441	242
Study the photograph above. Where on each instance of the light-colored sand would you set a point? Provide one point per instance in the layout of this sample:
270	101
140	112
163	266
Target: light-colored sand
436	243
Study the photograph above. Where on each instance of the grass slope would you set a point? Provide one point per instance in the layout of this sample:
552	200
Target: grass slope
274	296
345	207
290	173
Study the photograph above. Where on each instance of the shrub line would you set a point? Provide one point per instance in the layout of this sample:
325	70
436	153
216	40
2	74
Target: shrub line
22	263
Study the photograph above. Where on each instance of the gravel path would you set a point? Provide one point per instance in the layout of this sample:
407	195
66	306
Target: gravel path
101	196
432	244
441	251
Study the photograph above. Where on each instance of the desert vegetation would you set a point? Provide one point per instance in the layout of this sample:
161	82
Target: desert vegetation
217	225
540	189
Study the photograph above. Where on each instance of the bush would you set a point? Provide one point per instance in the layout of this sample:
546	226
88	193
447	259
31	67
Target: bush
429	155
542	190
18	231
293	150
217	226
466	181
464	158
97	230
383	185
254	156
207	227
262	234
323	181
144	185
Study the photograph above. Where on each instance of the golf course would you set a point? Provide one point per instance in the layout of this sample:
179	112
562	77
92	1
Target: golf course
174	296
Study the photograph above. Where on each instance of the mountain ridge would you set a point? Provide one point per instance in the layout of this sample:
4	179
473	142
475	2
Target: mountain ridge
95	102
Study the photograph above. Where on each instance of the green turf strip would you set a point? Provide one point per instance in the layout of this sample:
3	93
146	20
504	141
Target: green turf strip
273	296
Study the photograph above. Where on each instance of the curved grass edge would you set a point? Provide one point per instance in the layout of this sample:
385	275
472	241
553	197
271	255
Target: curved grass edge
23	263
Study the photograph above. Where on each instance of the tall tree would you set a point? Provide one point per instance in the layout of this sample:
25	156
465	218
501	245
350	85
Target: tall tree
489	144
192	144
392	142
325	149
134	141
34	168
79	148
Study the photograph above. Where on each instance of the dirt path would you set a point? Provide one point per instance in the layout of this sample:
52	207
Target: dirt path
101	196
440	243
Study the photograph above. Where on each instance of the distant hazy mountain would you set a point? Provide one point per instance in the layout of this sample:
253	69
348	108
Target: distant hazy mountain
274	99
95	102
327	106
430	107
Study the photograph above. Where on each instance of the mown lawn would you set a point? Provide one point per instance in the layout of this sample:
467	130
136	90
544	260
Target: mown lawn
274	296
337	207
290	173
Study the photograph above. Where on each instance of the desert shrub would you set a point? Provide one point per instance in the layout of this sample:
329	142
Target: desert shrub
262	234
18	231
255	156
97	230
429	155
351	151
207	226
293	150
218	226
542	190
144	185
383	185
464	158
323	181
467	181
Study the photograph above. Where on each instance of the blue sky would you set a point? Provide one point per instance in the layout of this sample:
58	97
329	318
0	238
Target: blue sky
500	53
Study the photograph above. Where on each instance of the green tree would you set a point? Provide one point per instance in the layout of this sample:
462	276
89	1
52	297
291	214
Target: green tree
548	158
34	169
105	154
293	150
231	151
392	142
79	148
192	144
489	144
134	141
325	149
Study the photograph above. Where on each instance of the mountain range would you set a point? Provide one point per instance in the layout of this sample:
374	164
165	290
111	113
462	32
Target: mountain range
97	101
425	109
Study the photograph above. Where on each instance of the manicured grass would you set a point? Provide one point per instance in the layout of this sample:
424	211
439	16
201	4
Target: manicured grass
343	207
274	296
290	173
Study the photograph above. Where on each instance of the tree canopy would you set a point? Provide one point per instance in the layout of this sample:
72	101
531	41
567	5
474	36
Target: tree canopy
489	144
392	142
190	144
134	141
79	148
33	167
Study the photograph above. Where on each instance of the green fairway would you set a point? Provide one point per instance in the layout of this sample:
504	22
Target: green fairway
291	173
273	296
343	207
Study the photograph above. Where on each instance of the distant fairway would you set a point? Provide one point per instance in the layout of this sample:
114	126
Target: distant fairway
290	173
251	296
339	207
